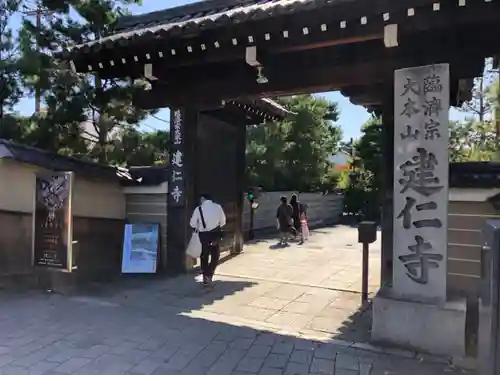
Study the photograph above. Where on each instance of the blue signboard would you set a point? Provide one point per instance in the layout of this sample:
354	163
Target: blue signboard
140	248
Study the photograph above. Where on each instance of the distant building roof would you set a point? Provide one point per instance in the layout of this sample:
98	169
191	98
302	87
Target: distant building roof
340	157
34	156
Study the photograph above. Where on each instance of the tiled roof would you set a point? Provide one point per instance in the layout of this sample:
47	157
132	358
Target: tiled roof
475	175
148	176
276	105
270	107
55	162
199	16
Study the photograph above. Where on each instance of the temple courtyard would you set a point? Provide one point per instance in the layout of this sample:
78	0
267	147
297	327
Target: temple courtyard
274	311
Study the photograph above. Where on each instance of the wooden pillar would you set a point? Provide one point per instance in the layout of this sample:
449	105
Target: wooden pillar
240	187
181	185
387	186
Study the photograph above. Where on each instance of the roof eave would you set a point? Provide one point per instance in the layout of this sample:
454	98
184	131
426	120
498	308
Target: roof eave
273	107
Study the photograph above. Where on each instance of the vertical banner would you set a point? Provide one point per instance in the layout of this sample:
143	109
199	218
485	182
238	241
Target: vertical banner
176	186
52	221
181	185
421	106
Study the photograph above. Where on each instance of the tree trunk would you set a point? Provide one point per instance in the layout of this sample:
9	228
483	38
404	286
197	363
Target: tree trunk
2	99
497	119
103	156
38	94
1	115
481	100
102	131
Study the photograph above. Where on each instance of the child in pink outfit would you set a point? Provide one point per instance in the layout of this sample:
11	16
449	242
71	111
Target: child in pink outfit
305	227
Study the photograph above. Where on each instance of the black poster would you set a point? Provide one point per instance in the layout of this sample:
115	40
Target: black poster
52	221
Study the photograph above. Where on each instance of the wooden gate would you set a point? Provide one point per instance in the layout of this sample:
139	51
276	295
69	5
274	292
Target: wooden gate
220	172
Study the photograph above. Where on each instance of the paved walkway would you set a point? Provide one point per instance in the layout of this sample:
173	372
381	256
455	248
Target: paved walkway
311	288
285	322
331	259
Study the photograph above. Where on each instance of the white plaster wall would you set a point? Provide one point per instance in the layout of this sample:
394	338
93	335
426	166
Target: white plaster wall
321	208
92	199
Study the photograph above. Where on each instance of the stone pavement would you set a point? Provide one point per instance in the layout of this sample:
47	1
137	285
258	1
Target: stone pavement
248	325
332	259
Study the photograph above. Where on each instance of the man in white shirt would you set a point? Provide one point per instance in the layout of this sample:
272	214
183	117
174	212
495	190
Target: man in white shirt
208	218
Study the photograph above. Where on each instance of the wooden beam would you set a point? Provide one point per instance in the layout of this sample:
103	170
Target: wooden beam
369	95
136	57
373	91
419	48
237	118
372	98
365	100
333	42
313	79
352	53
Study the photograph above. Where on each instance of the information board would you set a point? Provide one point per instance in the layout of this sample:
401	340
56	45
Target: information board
140	248
52	221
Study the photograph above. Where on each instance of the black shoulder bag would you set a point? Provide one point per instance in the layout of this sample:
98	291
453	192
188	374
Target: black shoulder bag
202	217
216	234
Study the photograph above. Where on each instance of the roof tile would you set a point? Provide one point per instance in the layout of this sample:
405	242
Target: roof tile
52	161
197	16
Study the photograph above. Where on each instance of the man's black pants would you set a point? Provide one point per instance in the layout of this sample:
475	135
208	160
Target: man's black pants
210	253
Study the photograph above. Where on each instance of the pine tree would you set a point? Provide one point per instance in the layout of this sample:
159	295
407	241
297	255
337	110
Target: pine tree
293	154
76	104
10	91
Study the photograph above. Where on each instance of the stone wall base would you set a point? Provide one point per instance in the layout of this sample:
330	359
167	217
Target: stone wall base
438	330
488	328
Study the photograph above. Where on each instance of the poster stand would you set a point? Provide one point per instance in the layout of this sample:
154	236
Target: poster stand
140	248
52	228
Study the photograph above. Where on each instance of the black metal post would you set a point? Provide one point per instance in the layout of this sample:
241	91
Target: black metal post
367	234
364	285
251	234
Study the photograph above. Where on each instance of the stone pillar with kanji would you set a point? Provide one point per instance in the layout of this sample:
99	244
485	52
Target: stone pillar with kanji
421	106
181	185
414	310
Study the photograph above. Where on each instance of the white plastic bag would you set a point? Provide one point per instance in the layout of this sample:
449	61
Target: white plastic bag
194	246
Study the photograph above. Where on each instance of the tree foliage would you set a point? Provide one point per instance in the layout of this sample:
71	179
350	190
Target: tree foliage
293	154
72	101
362	196
369	149
92	118
133	147
10	91
483	95
471	140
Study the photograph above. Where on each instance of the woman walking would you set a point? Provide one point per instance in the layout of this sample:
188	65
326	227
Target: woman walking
297	210
304	225
284	220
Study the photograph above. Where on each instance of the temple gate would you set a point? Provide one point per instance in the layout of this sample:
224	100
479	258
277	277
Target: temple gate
208	53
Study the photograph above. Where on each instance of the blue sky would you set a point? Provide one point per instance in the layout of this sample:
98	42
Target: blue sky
351	116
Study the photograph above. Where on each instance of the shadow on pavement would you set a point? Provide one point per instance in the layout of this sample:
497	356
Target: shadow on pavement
162	328
357	326
172	326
